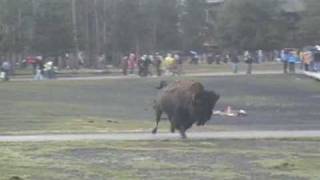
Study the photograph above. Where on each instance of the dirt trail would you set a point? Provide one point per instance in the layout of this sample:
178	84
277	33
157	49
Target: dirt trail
162	136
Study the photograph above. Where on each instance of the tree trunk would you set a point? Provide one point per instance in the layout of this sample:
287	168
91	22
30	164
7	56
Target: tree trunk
75	34
97	49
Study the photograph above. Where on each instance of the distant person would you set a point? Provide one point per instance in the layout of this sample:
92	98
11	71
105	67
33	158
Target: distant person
146	65
124	65
5	70
210	58
179	64
132	61
140	65
248	59
218	58
307	58
39	68
235	62
260	56
158	59
169	64
40	63
49	70
194	57
226	57
284	59
317	61
38	76
32	61
293	59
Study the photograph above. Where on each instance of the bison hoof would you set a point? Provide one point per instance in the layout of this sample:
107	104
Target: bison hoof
154	131
183	135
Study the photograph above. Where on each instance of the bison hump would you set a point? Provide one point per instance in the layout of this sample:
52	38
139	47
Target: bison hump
192	87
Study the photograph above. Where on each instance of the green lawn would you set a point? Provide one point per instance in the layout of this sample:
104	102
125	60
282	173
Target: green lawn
126	105
229	159
212	68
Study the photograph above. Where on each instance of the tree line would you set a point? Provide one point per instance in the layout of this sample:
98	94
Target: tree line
113	28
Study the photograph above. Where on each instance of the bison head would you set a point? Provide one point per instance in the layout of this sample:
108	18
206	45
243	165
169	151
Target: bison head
203	104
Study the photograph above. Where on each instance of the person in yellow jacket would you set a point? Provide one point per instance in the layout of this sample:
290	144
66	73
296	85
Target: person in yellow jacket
169	64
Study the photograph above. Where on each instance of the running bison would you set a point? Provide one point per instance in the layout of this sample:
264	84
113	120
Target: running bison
185	103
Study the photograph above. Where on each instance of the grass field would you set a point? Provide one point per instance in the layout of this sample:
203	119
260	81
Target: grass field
272	101
205	68
202	160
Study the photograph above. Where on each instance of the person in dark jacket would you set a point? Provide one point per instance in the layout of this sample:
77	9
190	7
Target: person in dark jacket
248	59
157	63
235	62
317	61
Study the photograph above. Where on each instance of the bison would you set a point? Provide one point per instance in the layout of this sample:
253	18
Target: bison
185	103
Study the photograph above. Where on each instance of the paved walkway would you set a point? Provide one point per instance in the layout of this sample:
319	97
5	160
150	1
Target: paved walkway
136	77
163	136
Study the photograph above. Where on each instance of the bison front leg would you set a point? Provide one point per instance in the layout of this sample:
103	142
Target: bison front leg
172	128
178	122
172	124
158	117
182	131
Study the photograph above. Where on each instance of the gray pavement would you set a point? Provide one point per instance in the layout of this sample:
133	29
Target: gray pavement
136	76
314	75
163	136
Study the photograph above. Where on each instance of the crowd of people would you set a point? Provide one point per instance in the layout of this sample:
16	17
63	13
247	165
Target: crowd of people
149	65
41	69
308	58
159	64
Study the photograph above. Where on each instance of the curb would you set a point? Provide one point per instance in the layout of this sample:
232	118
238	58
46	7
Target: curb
313	75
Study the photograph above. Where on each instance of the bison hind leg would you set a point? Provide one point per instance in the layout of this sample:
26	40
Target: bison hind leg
158	118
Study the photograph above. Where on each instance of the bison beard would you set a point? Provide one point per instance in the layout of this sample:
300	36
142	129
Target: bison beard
185	103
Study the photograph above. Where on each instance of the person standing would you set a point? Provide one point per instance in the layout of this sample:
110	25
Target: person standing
32	61
132	63
179	63
146	65
49	70
39	68
292	60
194	57
157	63
260	56
168	63
235	62
307	58
124	65
5	70
248	59
317	61
140	64
284	59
